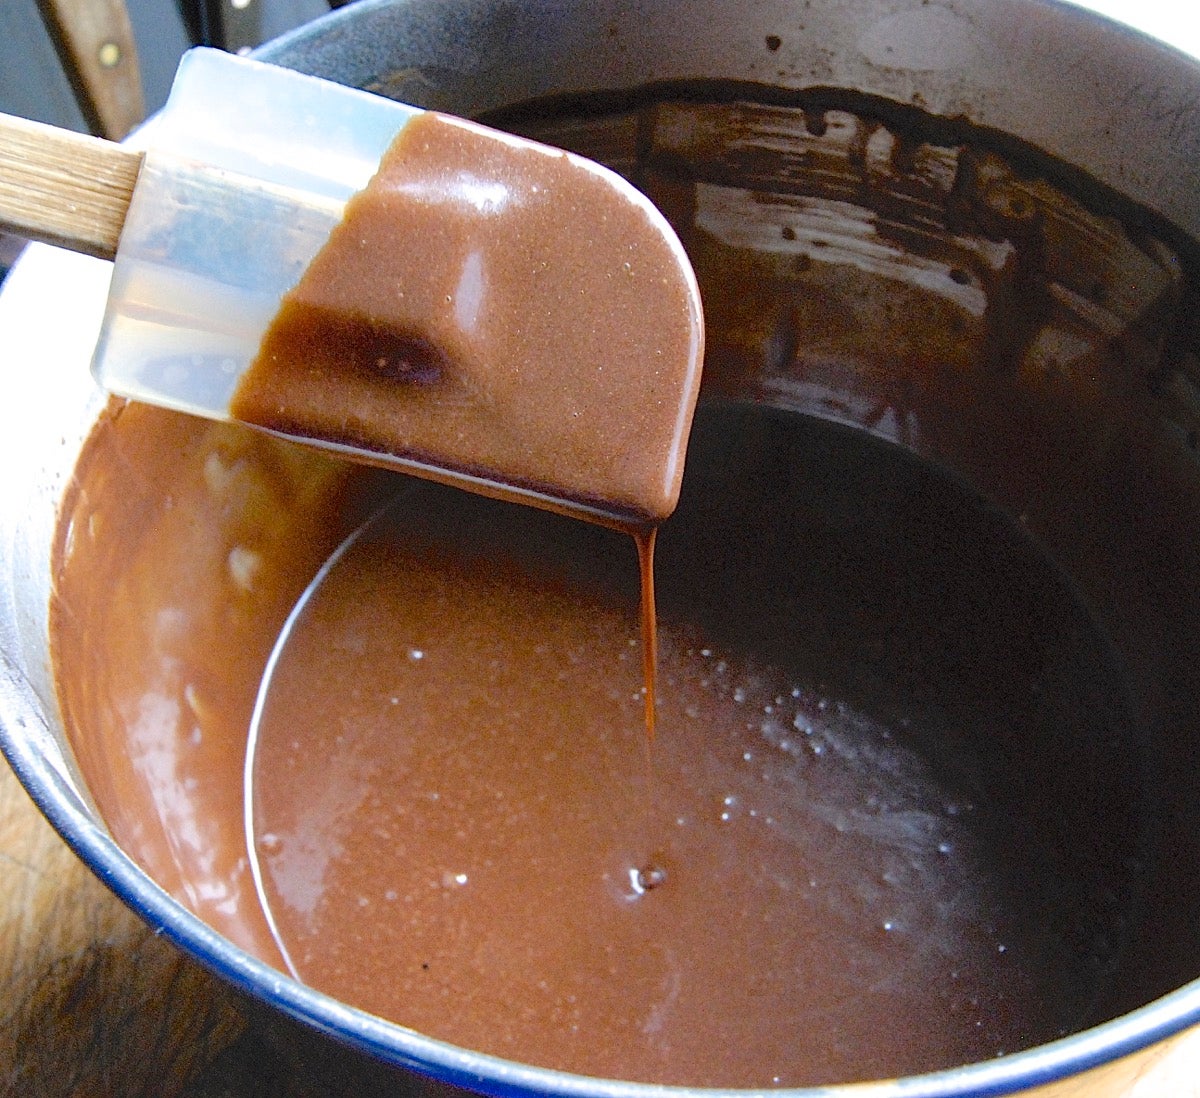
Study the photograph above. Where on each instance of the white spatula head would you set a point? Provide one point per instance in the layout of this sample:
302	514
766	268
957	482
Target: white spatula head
248	169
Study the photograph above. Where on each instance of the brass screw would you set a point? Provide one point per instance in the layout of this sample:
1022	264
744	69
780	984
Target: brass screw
109	55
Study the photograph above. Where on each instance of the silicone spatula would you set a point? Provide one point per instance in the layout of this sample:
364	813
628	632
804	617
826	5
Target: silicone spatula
236	187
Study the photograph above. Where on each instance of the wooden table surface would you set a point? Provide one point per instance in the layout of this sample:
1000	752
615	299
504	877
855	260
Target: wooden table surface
92	1004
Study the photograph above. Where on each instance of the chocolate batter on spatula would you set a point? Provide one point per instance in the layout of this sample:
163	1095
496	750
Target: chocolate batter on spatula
495	309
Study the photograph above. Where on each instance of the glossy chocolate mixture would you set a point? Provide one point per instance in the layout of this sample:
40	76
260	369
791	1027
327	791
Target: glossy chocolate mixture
499	309
451	804
887	778
166	601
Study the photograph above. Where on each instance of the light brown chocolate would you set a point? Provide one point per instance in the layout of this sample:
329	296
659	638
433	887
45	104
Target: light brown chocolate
452	801
768	937
498	309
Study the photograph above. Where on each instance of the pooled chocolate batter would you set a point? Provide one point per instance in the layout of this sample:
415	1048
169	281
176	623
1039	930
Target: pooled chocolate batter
451	805
867	804
499	309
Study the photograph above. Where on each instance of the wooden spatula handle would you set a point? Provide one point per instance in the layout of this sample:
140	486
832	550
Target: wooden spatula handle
64	188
